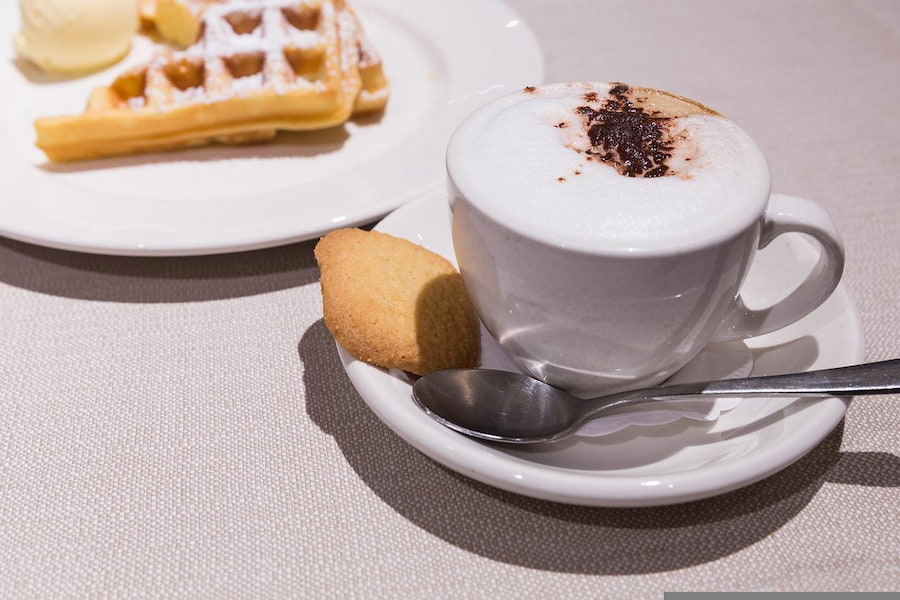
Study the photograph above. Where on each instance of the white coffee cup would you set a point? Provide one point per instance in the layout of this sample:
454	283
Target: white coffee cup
594	278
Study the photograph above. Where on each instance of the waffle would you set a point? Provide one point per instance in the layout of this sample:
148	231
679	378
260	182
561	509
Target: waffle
374	92
256	67
180	22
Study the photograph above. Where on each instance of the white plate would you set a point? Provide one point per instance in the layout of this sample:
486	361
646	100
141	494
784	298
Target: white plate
644	466
443	59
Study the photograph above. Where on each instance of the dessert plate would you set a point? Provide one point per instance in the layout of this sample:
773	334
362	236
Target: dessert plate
649	465
222	199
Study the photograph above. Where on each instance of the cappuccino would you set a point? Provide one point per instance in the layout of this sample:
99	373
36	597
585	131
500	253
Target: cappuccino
603	232
609	166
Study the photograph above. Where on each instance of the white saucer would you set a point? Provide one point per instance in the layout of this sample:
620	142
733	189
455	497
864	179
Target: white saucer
644	466
222	199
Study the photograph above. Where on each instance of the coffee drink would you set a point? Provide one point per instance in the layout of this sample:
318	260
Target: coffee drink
610	166
604	231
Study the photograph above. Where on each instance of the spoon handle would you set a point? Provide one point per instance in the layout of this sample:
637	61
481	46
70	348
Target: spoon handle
870	378
866	379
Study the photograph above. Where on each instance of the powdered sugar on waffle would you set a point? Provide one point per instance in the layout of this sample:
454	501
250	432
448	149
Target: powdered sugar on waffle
271	37
219	41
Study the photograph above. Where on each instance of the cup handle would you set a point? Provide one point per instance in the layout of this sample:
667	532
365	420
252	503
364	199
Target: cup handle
791	214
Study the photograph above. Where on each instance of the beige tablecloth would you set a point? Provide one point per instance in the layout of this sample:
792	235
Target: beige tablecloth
183	428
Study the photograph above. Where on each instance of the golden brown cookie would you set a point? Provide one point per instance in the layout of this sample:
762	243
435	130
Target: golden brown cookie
395	304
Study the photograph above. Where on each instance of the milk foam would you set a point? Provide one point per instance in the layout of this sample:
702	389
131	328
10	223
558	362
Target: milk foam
515	162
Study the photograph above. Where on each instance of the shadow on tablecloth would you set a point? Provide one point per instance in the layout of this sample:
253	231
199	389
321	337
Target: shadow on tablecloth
152	280
556	537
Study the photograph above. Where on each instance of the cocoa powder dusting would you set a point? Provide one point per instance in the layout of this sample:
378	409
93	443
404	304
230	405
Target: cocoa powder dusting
625	136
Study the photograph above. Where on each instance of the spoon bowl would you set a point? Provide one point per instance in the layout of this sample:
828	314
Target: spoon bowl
502	406
496	405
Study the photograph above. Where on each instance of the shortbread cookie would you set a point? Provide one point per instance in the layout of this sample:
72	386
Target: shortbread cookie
395	304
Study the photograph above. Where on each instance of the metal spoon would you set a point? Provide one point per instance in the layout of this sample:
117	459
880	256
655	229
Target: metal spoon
508	407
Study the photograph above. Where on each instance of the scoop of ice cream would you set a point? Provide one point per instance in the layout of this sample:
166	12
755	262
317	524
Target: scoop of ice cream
76	36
